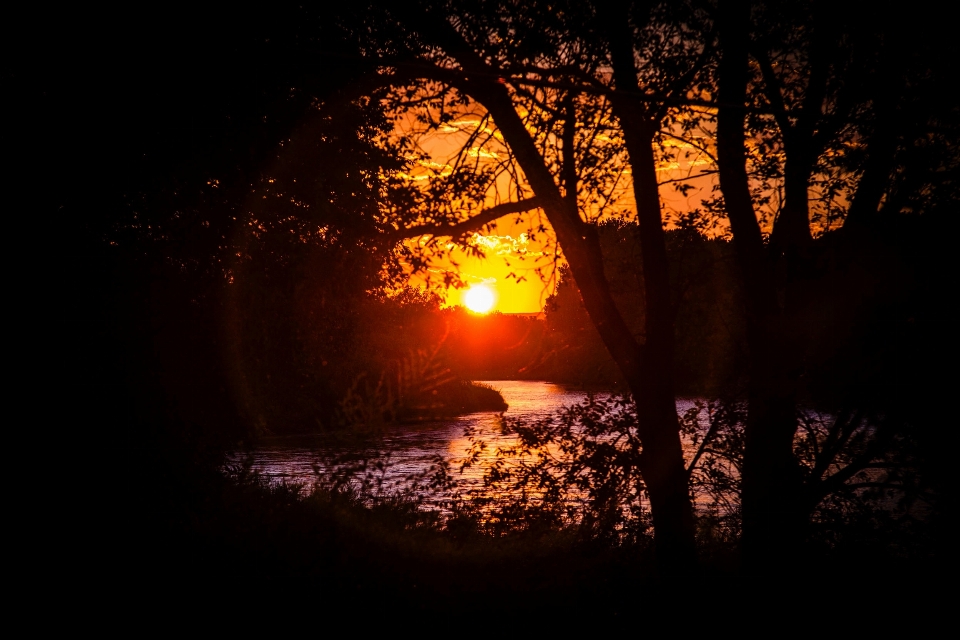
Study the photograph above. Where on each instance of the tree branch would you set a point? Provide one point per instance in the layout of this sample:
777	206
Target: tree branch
773	91
714	427
415	68
732	162
471	224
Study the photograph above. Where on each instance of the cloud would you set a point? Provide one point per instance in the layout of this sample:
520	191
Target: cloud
504	245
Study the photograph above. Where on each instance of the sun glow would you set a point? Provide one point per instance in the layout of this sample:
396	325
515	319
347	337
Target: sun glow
479	298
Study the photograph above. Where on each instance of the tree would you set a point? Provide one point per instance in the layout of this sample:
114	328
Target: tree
820	93
562	92
565	96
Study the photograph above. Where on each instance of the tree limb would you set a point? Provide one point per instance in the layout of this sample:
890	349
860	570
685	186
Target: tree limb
415	68
773	92
471	224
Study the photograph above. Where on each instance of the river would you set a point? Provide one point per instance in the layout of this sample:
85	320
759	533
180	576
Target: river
399	455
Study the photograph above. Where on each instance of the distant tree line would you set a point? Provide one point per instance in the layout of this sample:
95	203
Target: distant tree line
709	323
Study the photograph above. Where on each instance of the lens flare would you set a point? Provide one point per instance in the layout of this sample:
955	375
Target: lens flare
479	298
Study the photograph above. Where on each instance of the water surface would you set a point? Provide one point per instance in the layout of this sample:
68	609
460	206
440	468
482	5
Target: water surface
407	451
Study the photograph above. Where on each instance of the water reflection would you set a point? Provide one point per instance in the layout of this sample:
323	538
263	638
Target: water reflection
409	451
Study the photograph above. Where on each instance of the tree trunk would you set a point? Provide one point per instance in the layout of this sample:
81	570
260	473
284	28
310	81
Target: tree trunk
662	463
774	515
656	400
773	518
647	370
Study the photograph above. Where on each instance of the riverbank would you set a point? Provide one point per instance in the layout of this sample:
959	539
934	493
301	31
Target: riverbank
457	398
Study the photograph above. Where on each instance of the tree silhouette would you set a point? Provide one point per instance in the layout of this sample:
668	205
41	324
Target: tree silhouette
553	107
274	167
565	96
828	82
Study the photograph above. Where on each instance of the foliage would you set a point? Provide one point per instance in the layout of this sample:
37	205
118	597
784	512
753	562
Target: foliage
578	467
577	470
549	103
417	387
231	250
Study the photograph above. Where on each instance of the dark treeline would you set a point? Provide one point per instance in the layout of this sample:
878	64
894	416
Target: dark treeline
144	154
206	196
874	322
709	324
180	168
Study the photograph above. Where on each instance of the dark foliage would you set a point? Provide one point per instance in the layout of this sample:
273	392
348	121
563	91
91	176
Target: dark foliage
211	267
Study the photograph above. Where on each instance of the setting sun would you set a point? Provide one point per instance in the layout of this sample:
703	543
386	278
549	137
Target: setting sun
479	298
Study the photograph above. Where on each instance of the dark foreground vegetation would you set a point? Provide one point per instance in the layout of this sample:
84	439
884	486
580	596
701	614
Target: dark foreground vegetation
221	223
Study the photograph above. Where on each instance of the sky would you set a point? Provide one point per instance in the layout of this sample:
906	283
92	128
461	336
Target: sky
512	255
507	269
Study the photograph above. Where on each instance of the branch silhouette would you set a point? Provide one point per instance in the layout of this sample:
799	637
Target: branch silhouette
471	224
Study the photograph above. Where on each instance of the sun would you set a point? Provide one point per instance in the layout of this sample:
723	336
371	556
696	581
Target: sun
479	298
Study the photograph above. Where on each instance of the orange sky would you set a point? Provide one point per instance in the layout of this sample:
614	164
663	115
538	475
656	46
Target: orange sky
525	293
510	241
689	156
503	252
